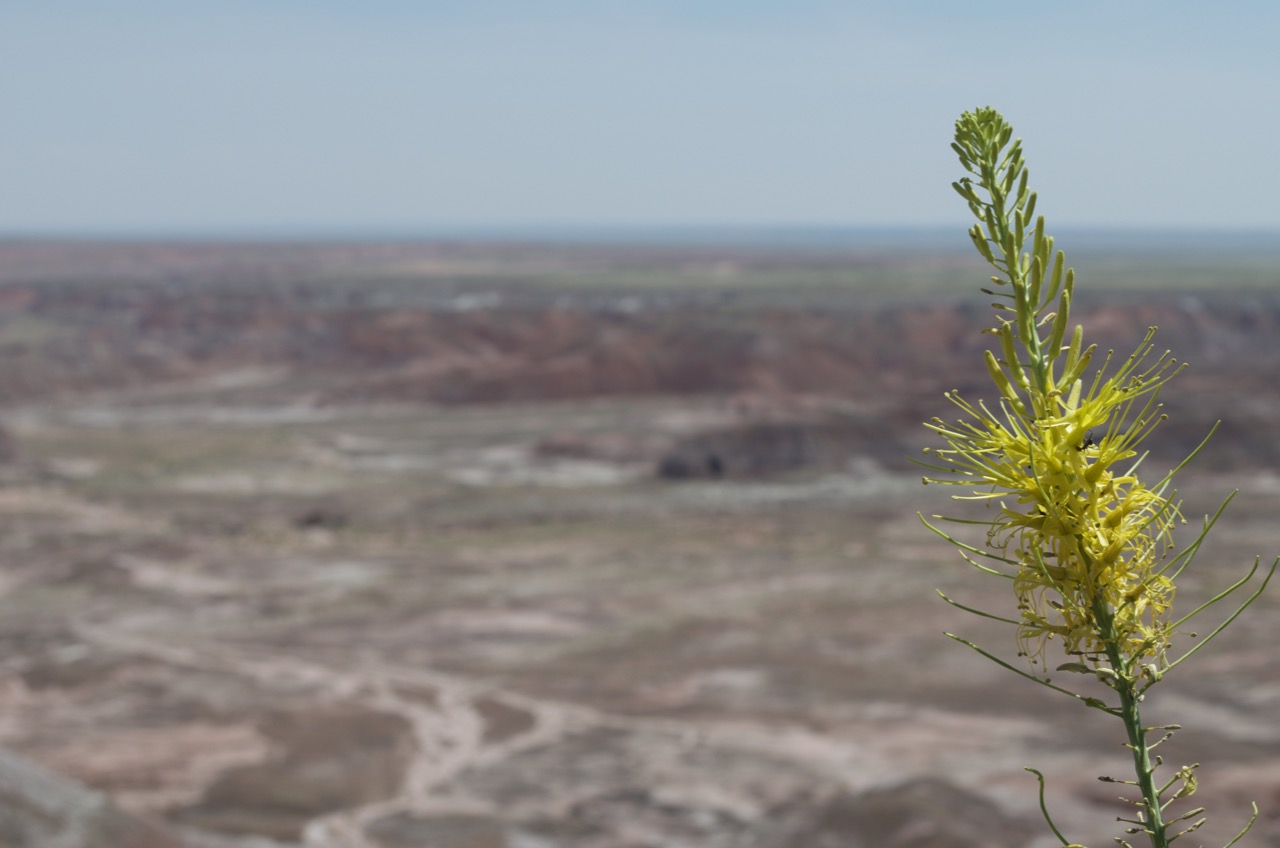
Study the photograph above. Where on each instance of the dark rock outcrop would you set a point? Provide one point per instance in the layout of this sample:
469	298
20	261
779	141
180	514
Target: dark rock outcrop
757	447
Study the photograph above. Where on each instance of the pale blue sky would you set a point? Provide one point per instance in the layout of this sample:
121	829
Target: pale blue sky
328	117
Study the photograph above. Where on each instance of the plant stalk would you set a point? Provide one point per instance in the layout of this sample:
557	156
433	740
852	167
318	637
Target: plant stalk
1126	687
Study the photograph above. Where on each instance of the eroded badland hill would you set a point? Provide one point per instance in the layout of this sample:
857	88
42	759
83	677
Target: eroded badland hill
453	545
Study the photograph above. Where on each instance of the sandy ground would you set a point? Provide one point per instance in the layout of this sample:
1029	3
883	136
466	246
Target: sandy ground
275	623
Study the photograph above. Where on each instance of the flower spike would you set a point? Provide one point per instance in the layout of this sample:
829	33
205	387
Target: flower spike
1087	544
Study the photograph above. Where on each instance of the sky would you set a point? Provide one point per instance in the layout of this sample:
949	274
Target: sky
369	117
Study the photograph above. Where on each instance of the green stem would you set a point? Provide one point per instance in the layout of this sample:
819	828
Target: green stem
1005	238
1142	764
1127	688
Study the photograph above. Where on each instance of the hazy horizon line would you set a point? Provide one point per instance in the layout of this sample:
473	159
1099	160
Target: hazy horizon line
814	236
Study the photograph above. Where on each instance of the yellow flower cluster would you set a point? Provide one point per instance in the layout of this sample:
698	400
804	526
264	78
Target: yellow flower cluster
1087	537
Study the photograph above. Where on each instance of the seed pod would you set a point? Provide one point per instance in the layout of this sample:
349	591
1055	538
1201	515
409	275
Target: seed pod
1054	346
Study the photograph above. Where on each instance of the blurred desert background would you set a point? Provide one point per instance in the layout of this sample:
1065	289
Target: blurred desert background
463	424
468	544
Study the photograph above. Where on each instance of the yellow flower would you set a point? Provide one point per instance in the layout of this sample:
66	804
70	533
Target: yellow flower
1088	537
